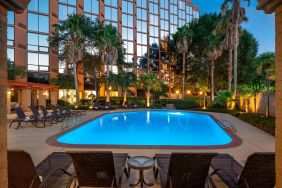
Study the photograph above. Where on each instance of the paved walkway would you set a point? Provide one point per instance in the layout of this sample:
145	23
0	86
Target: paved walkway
33	140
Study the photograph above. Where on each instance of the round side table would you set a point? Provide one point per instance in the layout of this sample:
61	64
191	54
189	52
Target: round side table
141	163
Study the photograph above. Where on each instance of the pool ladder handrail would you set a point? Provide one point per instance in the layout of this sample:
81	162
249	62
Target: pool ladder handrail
69	123
228	125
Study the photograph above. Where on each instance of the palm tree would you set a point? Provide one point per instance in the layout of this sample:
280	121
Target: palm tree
214	51
237	16
70	37
183	39
225	26
124	80
150	83
108	43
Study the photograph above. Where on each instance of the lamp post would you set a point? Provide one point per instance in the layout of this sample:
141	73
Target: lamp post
177	93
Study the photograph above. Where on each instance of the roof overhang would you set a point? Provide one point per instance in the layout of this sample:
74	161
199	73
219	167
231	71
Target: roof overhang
15	5
269	6
29	85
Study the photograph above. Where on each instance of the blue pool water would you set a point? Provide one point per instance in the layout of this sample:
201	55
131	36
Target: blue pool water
149	128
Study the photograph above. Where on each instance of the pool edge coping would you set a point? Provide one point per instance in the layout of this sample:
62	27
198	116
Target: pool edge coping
52	140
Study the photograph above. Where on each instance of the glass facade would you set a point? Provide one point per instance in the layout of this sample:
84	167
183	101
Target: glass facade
144	25
37	41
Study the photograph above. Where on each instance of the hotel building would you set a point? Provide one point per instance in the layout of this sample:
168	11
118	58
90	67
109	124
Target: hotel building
143	24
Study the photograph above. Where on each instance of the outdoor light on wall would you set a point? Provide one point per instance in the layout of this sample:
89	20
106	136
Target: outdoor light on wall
9	92
110	88
189	92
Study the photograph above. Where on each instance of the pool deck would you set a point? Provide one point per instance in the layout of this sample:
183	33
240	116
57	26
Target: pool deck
33	140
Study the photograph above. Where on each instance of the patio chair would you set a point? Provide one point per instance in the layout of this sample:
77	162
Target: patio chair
96	106
189	170
75	112
58	117
107	106
259	171
99	169
22	118
23	174
42	117
60	111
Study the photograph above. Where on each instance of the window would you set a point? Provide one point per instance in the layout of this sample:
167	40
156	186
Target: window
154	31
41	6
11	54
65	10
142	26
127	7
127	33
141	14
154	20
164	14
142	38
111	14
91	6
164	4
11	18
70	2
127	20
111	3
142	3
38	23
128	46
153	8
38	42
141	51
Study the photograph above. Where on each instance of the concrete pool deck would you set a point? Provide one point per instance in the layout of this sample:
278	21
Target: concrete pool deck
33	140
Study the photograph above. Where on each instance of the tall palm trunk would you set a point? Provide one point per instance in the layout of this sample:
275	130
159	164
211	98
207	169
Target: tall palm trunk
148	94
230	69
3	98
183	76
124	97
76	84
212	80
107	85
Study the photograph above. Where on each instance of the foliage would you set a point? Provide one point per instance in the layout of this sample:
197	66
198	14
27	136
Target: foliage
64	81
70	37
15	71
224	98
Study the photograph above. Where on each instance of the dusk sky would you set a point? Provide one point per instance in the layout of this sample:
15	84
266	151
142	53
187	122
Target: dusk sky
260	25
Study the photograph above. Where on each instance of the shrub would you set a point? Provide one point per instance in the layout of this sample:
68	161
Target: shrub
224	98
61	102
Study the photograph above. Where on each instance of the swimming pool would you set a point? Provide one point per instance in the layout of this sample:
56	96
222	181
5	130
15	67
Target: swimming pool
148	128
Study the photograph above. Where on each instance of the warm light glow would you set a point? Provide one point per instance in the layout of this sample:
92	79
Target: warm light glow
45	93
110	88
9	92
148	104
90	107
76	107
188	92
201	93
177	92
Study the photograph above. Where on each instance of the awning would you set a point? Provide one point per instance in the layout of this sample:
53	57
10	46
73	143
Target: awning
29	85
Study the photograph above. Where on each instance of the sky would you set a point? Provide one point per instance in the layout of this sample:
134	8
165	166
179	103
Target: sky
261	25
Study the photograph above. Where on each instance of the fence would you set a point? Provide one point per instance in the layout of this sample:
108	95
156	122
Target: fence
257	103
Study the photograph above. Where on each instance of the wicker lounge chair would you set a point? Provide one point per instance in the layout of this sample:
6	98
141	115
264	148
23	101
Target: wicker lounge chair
58	117
22	118
107	106
259	171
23	174
99	169
42	117
96	106
189	170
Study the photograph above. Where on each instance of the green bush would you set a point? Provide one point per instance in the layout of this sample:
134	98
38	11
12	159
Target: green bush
61	102
223	98
178	104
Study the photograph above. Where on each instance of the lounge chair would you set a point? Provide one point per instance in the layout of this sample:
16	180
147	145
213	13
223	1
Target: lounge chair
42	117
58	117
258	172
23	174
99	169
107	106
96	106
22	118
135	105
189	170
75	112
60	111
